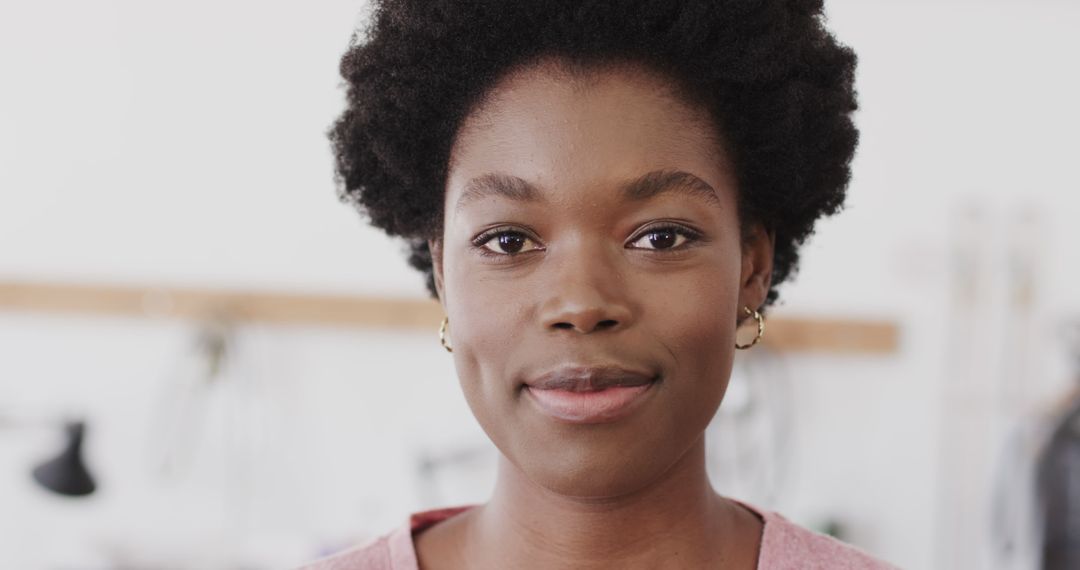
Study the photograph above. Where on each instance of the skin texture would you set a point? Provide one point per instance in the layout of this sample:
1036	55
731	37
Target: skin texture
590	285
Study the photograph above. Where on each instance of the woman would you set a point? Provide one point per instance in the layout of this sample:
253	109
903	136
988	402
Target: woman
598	193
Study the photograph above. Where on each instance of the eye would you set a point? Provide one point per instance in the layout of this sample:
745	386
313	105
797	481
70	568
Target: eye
506	242
663	237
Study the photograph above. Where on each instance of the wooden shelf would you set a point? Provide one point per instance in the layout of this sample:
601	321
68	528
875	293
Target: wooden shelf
781	333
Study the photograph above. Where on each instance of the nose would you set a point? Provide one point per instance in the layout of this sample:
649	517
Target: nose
585	294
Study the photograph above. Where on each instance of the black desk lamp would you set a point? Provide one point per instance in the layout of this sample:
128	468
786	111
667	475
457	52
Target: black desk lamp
66	474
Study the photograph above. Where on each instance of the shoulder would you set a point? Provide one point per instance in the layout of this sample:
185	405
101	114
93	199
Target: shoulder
392	551
372	555
786	545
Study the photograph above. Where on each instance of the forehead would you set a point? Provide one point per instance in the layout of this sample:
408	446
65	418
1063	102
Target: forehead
565	129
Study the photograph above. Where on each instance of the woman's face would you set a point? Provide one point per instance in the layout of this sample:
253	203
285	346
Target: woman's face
591	241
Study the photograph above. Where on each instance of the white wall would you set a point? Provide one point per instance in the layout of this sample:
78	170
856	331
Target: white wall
965	106
185	144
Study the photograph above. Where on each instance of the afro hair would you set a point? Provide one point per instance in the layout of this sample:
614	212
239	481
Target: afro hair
778	85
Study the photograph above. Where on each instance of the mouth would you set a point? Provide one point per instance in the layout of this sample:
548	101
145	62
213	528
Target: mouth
590	395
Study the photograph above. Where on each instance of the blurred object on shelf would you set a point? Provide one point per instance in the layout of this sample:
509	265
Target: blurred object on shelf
66	474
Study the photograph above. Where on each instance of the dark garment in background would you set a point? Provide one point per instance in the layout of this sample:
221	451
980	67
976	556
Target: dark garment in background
1059	493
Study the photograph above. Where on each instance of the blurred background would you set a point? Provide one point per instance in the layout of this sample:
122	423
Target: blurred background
207	361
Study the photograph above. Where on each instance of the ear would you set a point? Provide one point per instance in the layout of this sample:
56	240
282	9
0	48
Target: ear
757	266
435	246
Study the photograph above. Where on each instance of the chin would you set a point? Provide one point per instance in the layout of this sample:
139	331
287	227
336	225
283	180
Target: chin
597	467
596	482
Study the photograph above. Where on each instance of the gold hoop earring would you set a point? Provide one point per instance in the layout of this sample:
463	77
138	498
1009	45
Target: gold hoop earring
760	328
442	334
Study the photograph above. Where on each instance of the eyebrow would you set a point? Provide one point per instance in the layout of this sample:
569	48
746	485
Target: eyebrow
641	188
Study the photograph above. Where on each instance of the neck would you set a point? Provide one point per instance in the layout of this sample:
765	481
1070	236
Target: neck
677	519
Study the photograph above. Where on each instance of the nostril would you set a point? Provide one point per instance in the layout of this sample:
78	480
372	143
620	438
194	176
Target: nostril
600	325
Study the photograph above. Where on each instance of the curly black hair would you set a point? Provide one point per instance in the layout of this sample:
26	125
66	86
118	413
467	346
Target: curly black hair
777	84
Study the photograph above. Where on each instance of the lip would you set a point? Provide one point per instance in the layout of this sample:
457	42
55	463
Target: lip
589	395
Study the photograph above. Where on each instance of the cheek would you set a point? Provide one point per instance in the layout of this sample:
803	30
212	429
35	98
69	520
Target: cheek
486	327
702	318
697	327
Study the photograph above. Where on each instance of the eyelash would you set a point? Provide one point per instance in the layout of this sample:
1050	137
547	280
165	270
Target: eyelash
480	242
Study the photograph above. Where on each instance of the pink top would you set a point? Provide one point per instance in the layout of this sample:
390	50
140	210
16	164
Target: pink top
784	546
